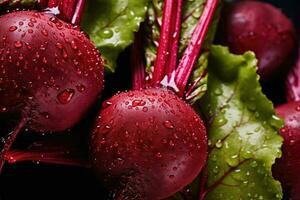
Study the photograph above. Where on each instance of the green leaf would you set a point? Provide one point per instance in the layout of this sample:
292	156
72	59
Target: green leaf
111	25
191	13
242	130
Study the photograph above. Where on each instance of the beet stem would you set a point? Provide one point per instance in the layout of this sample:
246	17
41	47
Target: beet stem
192	52
163	50
49	157
171	66
137	63
70	10
293	82
77	16
42	4
10	140
53	3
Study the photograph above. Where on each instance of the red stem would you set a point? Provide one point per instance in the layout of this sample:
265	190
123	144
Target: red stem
163	50
137	63
42	3
47	157
53	3
70	10
10	140
171	66
293	82
192	52
78	12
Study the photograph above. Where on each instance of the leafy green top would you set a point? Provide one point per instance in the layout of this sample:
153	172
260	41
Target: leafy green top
111	25
242	129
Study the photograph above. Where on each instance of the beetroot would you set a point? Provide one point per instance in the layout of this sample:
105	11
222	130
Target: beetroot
154	135
148	143
286	169
50	71
262	28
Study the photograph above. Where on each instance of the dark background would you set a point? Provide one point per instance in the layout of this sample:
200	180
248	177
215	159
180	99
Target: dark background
41	181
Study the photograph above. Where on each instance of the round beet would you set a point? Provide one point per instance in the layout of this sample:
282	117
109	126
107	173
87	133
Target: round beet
148	141
49	70
286	168
262	28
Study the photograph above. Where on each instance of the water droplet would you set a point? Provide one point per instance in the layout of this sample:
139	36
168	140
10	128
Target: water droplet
171	176
158	155
171	143
168	124
65	96
13	28
218	92
46	115
107	33
106	104
216	169
18	44
221	121
30	24
136	103
44	32
145	109
219	144
65	54
232	161
73	45
80	88
253	164
59	45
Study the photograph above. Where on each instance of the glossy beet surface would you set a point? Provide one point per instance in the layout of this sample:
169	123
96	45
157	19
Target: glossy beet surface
151	141
49	70
287	168
262	28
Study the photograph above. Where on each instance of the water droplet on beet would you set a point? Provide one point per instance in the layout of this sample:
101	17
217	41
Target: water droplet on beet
33	20
168	124
65	96
171	176
30	24
158	155
106	104
46	115
65	54
44	32
136	103
59	45
80	88
13	28
73	45
18	44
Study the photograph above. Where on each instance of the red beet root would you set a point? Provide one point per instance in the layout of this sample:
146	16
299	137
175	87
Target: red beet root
149	143
262	28
286	169
50	72
153	134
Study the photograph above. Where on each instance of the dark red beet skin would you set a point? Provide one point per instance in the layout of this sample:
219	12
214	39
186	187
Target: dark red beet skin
262	28
286	169
49	70
151	141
